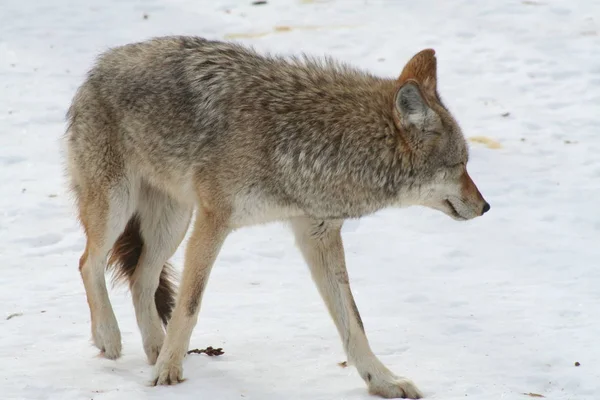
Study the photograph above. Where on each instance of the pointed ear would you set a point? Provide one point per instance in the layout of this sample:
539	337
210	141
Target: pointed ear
410	106
423	69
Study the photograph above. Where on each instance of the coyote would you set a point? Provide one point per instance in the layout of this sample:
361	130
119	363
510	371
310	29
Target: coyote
173	125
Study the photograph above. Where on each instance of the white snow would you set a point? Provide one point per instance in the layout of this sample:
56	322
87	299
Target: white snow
491	309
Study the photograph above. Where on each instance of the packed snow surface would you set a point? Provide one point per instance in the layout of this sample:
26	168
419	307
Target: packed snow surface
501	307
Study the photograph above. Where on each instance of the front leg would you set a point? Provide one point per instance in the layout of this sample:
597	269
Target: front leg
321	245
210	230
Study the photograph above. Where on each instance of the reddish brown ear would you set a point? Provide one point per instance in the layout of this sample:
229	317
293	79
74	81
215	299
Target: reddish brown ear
421	68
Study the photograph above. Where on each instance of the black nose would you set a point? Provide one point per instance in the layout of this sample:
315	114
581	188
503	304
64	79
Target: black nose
486	208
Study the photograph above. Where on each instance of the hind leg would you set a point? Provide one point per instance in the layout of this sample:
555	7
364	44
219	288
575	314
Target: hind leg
104	217
163	223
211	227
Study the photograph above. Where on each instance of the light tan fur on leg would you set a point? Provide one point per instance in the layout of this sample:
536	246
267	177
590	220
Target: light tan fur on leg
164	223
104	218
321	245
210	230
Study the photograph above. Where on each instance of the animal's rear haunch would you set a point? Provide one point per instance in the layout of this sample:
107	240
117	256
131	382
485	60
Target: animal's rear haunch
124	259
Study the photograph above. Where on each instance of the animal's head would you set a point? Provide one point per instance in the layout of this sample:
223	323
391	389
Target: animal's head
433	145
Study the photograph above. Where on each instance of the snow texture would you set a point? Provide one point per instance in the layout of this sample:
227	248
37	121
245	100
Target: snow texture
497	308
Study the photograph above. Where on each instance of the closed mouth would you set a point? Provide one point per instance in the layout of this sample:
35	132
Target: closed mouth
453	211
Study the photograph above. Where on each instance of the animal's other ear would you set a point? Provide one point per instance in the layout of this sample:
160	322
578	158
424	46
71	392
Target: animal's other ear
423	69
411	107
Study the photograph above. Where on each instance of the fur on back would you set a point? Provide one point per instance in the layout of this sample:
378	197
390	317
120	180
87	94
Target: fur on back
304	135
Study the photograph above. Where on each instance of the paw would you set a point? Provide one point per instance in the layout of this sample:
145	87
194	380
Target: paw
107	338
167	373
393	387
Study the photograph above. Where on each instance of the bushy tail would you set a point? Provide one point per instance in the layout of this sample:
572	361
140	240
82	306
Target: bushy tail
124	259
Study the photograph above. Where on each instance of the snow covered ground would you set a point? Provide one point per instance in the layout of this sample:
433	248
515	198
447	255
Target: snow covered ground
498	308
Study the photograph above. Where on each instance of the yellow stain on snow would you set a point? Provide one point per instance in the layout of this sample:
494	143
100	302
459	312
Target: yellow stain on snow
284	29
245	35
486	141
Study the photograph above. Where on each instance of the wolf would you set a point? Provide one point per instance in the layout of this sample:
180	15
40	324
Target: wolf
178	125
